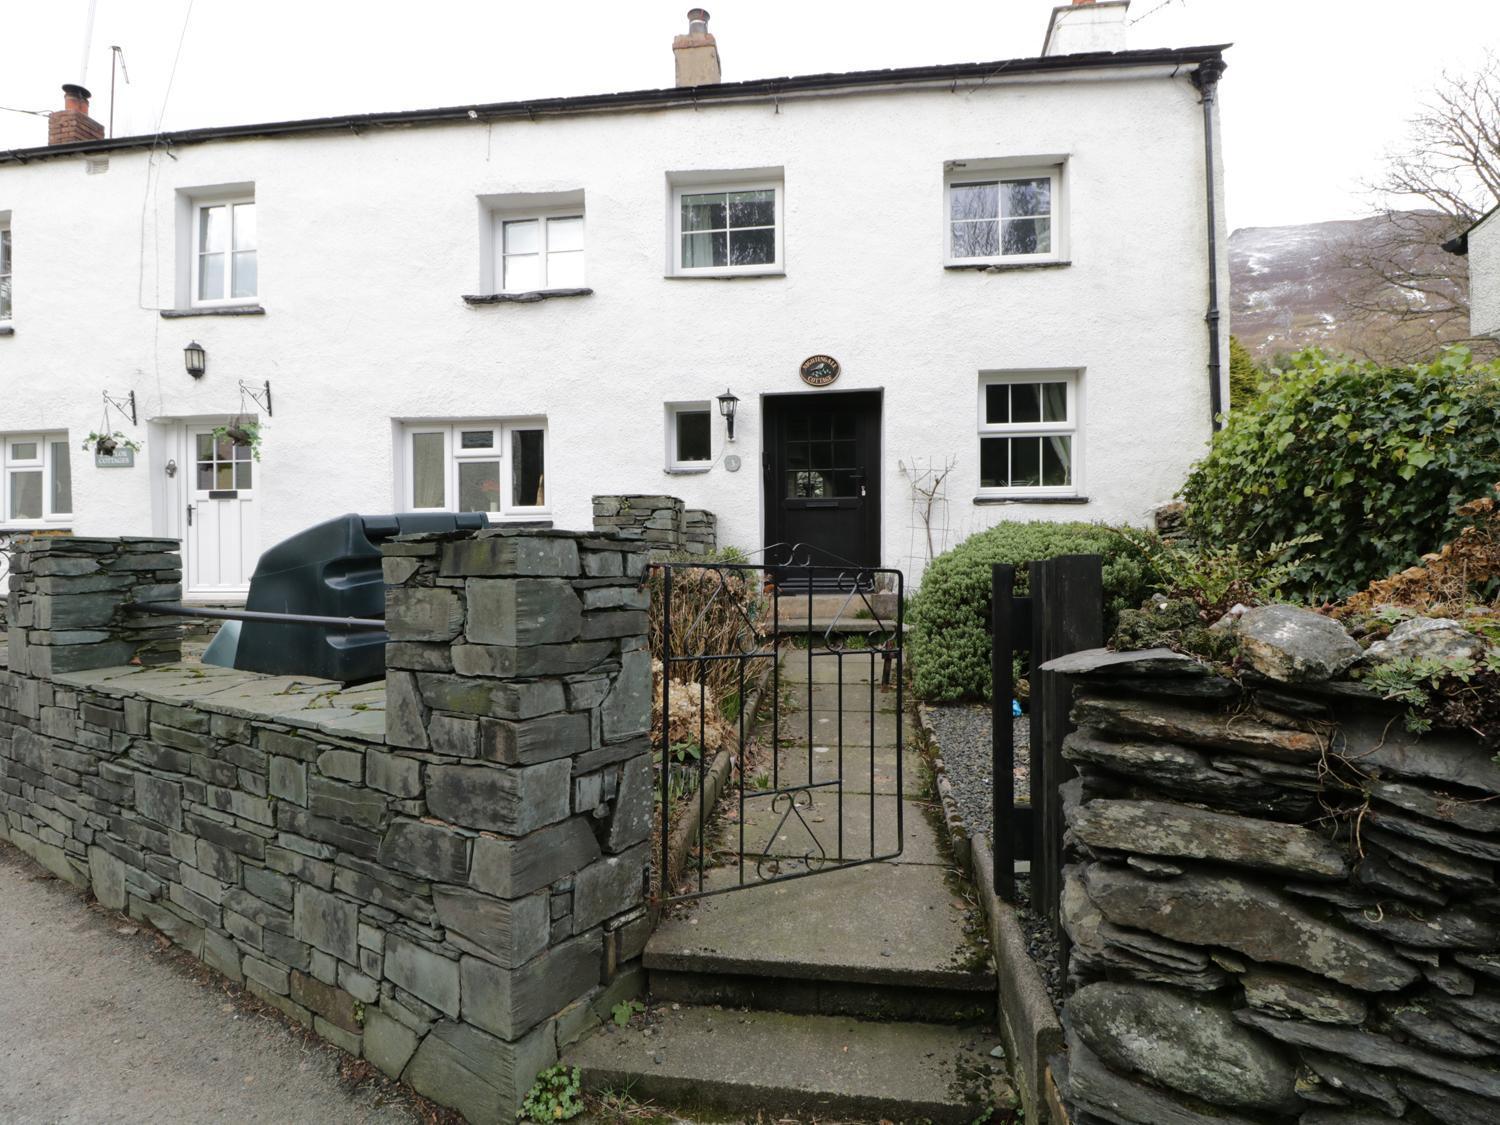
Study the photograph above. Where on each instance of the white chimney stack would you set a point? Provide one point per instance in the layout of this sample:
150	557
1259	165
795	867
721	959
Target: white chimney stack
1085	27
696	54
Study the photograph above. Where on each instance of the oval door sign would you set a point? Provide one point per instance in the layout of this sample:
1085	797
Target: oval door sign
819	370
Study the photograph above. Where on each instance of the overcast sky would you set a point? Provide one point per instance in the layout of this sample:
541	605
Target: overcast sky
1316	92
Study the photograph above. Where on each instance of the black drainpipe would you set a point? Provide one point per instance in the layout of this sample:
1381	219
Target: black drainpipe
1206	78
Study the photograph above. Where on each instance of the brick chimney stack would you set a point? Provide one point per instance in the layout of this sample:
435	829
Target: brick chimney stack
72	123
695	53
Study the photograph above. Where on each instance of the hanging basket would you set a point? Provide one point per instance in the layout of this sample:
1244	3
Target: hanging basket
106	446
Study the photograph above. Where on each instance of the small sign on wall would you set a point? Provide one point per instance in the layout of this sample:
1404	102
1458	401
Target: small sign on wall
122	458
819	370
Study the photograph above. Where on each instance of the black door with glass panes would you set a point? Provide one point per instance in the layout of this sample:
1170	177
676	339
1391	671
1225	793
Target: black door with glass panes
822	477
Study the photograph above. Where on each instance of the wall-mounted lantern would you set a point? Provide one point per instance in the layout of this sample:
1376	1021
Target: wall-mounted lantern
196	359
728	403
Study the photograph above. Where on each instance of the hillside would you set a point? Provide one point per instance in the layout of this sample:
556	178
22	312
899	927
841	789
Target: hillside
1294	287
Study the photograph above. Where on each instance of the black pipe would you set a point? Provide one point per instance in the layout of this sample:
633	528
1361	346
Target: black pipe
1206	78
174	609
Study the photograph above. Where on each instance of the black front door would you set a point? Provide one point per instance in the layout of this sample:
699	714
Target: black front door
822	477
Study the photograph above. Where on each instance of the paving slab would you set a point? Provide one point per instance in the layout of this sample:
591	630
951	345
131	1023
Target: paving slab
858	773
814	829
880	923
782	1064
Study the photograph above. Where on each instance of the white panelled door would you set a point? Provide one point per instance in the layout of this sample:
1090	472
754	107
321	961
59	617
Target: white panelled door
221	534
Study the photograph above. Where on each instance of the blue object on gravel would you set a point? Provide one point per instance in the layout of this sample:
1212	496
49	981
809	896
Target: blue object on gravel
1015	708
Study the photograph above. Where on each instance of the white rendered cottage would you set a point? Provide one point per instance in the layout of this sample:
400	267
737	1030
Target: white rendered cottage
513	307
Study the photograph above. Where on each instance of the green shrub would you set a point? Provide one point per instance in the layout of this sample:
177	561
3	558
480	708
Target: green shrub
949	639
1372	460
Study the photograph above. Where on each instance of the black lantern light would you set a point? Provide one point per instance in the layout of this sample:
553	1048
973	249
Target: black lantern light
196	359
728	402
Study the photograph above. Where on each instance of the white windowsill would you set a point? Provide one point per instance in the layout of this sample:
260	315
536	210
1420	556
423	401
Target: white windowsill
686	470
1030	498
724	275
998	265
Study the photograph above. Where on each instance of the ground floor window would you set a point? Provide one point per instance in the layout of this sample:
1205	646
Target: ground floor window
36	478
498	467
689	435
1028	432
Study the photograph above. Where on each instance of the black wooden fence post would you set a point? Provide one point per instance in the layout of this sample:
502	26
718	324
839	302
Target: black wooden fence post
1002	728
1067	601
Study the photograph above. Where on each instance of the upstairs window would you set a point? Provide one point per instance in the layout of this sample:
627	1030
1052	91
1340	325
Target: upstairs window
727	228
1003	218
488	466
224	252
1028	429
540	251
36	479
5	271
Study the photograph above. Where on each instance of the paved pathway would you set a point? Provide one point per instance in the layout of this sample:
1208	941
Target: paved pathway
101	1024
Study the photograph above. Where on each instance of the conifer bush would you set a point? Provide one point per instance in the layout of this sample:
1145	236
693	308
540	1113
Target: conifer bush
949	639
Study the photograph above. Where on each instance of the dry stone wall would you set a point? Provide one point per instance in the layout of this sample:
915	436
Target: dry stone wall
453	901
665	523
1282	904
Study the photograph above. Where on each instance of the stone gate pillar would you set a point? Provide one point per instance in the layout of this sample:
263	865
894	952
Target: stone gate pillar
518	668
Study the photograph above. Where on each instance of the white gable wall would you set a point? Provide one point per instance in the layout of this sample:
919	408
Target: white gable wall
367	242
1484	277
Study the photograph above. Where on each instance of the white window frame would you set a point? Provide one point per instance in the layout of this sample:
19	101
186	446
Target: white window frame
454	455
675	463
195	234
44	462
1073	428
980	174
500	217
712	187
8	269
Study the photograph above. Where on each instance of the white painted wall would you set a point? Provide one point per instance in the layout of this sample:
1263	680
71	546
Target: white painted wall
1484	277
367	242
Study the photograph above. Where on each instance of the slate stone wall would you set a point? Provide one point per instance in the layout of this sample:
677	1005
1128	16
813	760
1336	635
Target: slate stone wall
453	902
1282	904
665	523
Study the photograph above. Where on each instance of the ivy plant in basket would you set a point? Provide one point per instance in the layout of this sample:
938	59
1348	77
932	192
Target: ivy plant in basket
106	444
242	432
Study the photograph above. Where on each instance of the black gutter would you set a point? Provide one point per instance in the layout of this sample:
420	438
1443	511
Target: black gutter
1206	78
639	99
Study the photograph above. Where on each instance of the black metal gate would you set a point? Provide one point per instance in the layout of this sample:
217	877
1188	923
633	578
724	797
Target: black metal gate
740	773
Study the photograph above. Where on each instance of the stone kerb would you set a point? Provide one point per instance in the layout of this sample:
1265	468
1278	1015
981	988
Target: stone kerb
518	668
66	606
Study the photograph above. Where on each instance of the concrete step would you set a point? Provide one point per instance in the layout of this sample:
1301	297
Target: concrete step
881	940
748	1064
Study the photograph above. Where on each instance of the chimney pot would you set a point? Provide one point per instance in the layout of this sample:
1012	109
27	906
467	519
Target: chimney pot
72	123
696	54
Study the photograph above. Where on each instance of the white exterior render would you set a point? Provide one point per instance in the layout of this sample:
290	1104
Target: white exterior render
1484	276
367	237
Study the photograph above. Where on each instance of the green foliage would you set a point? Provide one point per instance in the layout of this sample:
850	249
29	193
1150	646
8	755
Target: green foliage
1217	578
554	1097
1372	460
1245	375
622	1011
950	614
107	443
1436	687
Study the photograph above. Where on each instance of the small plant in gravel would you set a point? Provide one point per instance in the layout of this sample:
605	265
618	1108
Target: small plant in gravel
622	1012
554	1096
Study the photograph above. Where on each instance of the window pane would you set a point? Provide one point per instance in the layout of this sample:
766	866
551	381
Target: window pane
565	271
997	403
528	479
210	229
244	226
224	475
976	240
62	479
694	436
427	471
479	486
1025	402
241	452
564	234
476	439
242	475
210	276
703	212
205	475
752	208
4	274
1027	197
205	447
974	201
523	273
752	247
1057	460
705	250
26	495
23	451
4	251
1025	462
521	237
1054	402
1026	236
244	274
994	462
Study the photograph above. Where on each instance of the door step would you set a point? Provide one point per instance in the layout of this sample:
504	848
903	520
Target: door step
752	1063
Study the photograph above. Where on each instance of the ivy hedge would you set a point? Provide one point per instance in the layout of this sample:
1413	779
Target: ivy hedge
1373	460
949	616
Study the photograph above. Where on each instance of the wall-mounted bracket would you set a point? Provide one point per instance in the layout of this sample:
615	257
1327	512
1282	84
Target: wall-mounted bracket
261	397
126	406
